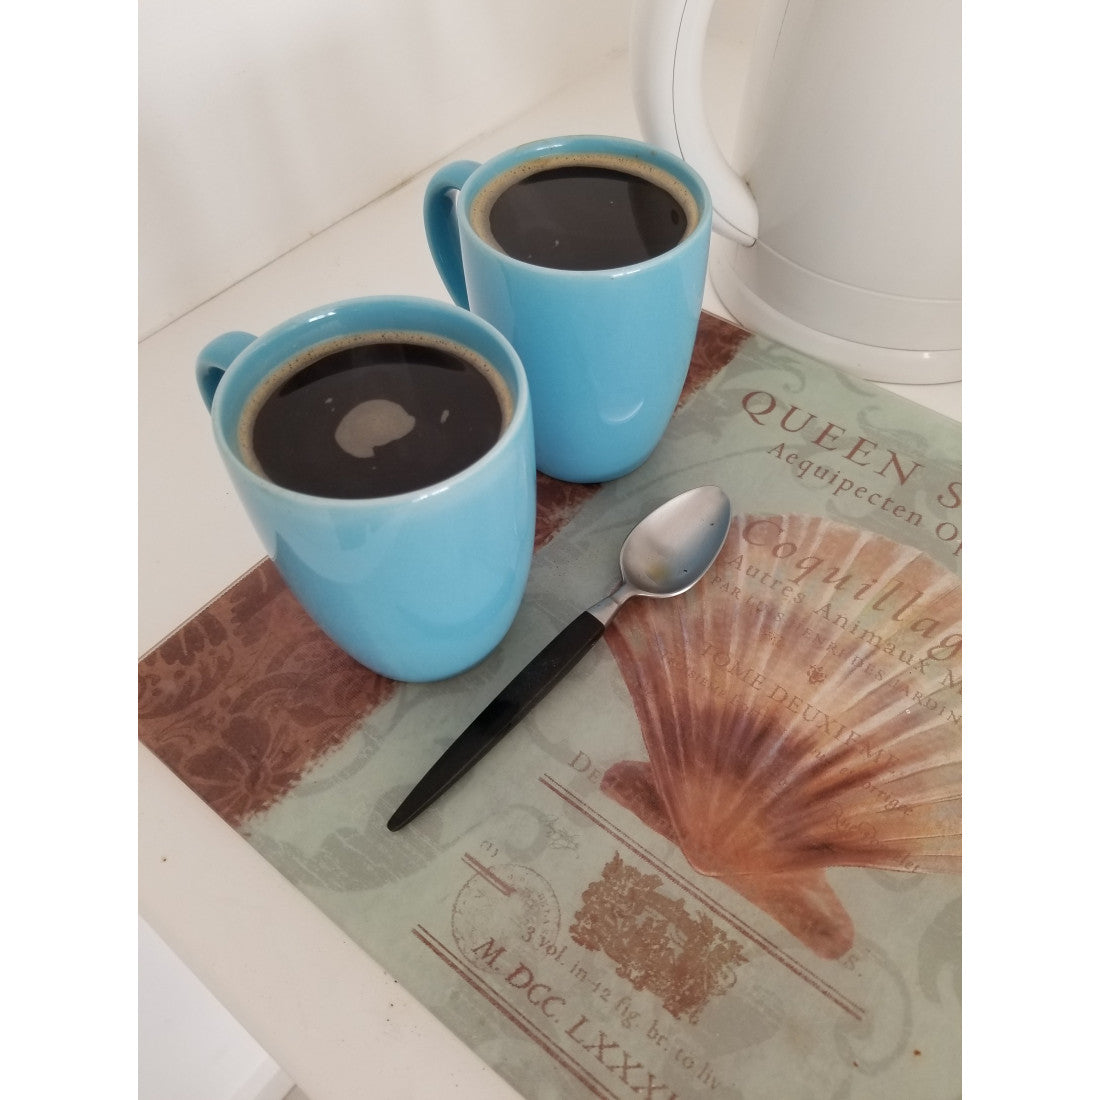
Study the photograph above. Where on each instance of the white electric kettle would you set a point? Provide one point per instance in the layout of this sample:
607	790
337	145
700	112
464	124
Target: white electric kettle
840	215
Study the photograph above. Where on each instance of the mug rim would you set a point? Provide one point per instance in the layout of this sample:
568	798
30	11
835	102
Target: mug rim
544	148
519	391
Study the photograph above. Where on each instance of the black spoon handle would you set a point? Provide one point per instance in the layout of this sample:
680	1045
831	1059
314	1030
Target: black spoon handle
509	707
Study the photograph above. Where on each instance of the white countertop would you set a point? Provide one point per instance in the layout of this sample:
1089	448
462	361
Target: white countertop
334	1020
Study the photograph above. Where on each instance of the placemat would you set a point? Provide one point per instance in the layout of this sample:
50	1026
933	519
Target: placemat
723	857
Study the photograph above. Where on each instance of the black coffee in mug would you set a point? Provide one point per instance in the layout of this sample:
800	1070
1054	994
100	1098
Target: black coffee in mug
584	212
374	415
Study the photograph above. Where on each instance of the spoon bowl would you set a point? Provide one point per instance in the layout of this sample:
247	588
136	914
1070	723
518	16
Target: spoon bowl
674	546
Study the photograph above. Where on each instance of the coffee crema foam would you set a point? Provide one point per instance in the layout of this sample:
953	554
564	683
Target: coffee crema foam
481	206
371	424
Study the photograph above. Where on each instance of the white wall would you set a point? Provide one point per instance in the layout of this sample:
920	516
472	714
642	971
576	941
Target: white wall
190	1048
263	122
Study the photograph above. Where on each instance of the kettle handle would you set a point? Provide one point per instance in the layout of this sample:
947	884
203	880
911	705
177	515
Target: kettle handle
666	57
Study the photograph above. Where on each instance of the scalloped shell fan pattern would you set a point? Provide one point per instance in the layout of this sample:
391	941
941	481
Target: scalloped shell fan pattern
800	708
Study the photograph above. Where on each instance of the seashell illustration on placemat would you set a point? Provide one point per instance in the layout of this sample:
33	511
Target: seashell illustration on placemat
800	710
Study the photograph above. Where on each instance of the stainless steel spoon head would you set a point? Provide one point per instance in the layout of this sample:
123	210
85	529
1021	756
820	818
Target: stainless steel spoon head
674	546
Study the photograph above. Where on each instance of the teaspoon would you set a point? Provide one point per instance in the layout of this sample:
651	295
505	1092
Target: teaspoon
666	553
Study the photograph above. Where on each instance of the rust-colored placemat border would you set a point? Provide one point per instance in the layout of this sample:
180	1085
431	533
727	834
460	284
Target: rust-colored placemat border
248	694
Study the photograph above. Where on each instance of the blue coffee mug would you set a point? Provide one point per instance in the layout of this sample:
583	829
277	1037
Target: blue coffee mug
606	351
419	585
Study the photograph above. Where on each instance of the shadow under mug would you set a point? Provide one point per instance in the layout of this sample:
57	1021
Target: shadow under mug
606	351
417	586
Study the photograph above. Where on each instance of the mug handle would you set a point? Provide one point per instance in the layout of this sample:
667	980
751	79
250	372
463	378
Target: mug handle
441	226
214	361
